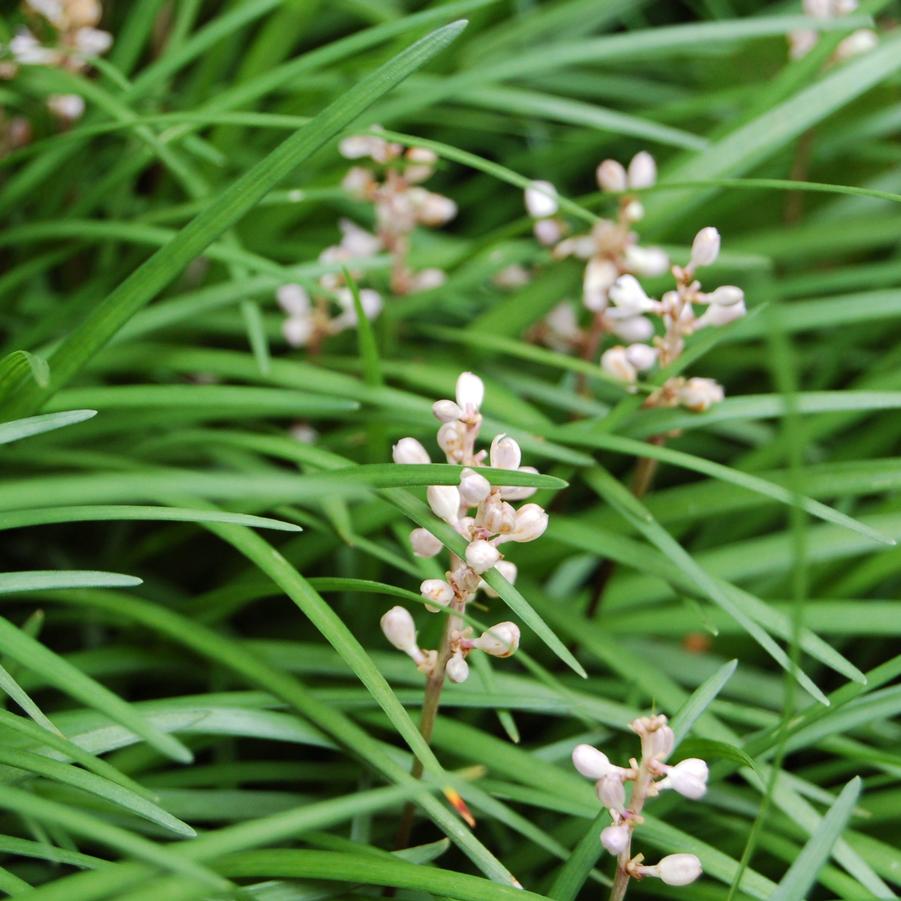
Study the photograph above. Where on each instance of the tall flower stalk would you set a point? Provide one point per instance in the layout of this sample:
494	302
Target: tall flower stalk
483	515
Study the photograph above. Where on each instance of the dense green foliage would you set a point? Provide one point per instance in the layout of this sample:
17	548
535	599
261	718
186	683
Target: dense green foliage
199	696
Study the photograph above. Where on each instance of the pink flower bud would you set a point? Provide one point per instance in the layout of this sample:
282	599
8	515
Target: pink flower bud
424	543
611	176
409	450
548	231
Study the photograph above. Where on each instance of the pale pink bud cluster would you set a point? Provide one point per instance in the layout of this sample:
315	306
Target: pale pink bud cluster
391	181
801	42
479	511
648	776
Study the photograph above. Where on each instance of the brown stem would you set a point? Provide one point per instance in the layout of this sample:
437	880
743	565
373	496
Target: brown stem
794	202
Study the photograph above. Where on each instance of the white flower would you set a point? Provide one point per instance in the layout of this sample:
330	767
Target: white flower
688	778
92	41
615	362
481	555
541	199
562	327
409	450
444	501
641	356
705	248
432	209
611	792
678	869
358	181
424	543
531	523
501	640
359	146
51	10
470	392
646	261
451	437
632	329
726	296
293	299
519	492
370	301
67	106
861	41
474	488
505	452
642	170
507	569
420	164
548	231
615	839
457	668
600	275
611	176
357	241
397	624
427	279
27	50
438	592
298	330
719	314
446	411
630	298
592	763
700	394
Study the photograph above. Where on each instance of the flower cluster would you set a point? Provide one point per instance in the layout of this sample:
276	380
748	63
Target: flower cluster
483	515
392	182
649	776
801	42
309	320
615	298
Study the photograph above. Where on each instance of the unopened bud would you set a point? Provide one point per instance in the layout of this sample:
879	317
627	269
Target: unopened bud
446	411
470	392
397	624
679	869
481	555
615	362
457	668
437	591
647	261
531	523
501	640
548	231
641	356
505	452
615	839
541	199
474	488
705	248
409	450
642	170
424	543
599	277
630	298
688	777
591	763
507	569
727	296
632	329
717	315
699	394
612	792
444	501
298	330
293	299
611	176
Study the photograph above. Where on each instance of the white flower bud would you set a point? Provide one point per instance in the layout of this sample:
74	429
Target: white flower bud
658	743
642	170
548	231
357	241
633	211
861	41
599	278
501	640
630	298
647	261
726	296
444	501
450	440
507	569
519	492
481	555
531	523
492	514
470	392
92	41
68	107
688	777
679	869
409	450
293	299
717	315
632	329
641	356
591	763
427	279
505	452
699	394
446	411
611	792
424	543
438	591
420	165
358	181
615	839
705	248
397	624
457	668
611	176
432	209
615	362
298	330
583	247
541	199
474	488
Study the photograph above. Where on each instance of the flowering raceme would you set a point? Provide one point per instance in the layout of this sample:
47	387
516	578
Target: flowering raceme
613	295
801	42
483	515
649	776
391	183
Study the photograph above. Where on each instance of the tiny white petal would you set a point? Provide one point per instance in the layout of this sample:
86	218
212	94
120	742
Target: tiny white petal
444	501
470	392
705	248
642	170
424	543
679	869
591	763
541	199
501	640
409	450
481	555
612	176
